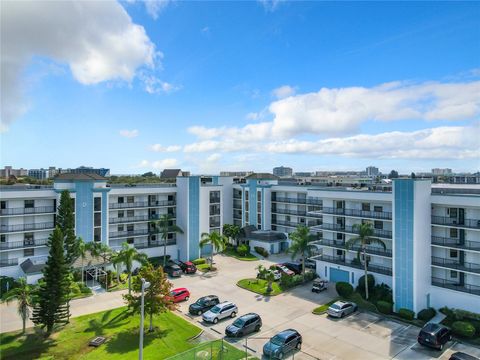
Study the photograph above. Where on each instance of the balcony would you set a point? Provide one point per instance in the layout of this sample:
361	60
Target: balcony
453	285
290	212
381	215
8	262
289	200
314	201
130	219
287	223
237	196
456	243
121	234
341	261
23	244
237	204
26	227
144	245
456	265
387	234
340	244
142	204
455	222
28	211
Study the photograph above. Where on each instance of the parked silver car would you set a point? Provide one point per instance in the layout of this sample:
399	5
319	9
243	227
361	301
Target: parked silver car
341	308
221	311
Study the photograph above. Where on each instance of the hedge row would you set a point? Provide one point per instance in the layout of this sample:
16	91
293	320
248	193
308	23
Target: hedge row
262	251
344	289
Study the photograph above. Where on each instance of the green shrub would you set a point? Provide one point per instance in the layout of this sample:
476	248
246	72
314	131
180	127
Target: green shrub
463	329
384	307
199	261
381	292
426	314
243	249
157	261
262	251
123	277
406	314
476	325
361	284
344	289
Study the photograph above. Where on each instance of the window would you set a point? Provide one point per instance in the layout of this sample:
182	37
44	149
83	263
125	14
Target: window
121	214
120	228
378	225
97	204
28	239
453	212
340	236
130	213
97	219
365	207
130	240
3	205
3	238
339	252
29	204
28	252
259	196
453	253
378	208
121	199
97	234
454	233
453	274
130	199
130	227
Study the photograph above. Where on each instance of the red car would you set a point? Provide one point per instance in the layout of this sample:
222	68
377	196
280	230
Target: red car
180	294
284	270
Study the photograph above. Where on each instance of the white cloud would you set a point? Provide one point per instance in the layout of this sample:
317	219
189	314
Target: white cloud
96	39
154	85
160	148
213	158
205	30
158	164
283	91
270	5
155	7
129	133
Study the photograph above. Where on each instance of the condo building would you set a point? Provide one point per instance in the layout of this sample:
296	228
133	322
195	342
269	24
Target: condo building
431	232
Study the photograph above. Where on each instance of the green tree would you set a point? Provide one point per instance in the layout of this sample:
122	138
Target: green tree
23	295
51	305
157	296
393	174
270	278
100	249
117	262
165	226
83	250
127	256
216	240
231	231
412	175
301	244
66	222
364	238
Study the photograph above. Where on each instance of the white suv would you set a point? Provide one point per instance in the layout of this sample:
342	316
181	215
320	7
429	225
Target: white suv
220	311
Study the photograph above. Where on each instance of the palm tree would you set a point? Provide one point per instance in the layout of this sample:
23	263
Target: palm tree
301	243
83	248
270	278
116	261
166	226
217	240
23	295
128	255
364	238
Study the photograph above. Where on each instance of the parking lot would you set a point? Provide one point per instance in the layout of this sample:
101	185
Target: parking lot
359	336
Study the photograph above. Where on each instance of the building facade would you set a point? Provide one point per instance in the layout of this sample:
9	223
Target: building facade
283	171
431	232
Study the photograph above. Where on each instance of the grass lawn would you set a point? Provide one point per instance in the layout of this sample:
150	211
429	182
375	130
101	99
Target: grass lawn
259	286
212	347
206	268
322	309
231	252
121	329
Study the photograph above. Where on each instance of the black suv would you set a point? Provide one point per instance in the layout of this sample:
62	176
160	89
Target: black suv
244	325
187	267
296	268
173	270
434	335
203	304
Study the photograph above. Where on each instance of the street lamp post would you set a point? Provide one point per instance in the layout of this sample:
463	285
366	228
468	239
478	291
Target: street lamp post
145	285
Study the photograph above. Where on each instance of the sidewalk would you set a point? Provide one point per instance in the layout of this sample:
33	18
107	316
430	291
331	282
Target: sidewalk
11	321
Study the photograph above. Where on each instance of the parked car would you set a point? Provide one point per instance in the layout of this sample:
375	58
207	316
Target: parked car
295	267
244	325
434	336
284	270
341	308
187	267
180	294
282	343
462	356
203	304
311	264
221	311
173	270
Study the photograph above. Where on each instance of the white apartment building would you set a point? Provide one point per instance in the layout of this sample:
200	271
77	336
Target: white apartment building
431	232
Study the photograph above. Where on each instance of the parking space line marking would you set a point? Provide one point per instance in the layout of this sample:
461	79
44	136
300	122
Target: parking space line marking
218	332
249	348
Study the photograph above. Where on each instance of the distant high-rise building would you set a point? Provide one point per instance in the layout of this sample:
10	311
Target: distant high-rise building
40	174
303	173
8	171
372	171
438	171
282	171
236	173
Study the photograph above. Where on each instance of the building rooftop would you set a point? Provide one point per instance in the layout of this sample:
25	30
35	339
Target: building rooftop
74	176
262	176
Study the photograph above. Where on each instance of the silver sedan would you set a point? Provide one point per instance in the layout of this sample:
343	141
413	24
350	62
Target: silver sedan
341	308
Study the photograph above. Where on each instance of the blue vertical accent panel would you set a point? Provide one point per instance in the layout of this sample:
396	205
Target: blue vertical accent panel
84	210
243	206
215	180
193	217
252	198
105	217
263	209
403	242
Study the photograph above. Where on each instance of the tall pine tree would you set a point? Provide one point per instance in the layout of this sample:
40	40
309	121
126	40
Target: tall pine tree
66	223
54	291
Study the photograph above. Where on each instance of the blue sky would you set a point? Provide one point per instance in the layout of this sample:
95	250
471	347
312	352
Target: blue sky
210	86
